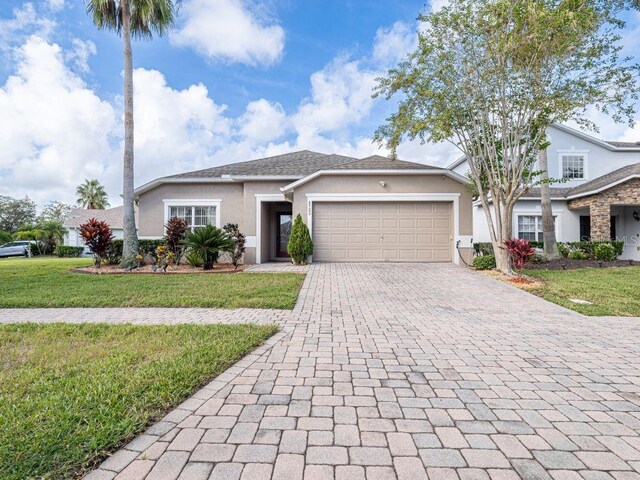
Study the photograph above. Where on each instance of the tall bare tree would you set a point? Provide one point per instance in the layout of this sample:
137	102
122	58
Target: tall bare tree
476	80
137	19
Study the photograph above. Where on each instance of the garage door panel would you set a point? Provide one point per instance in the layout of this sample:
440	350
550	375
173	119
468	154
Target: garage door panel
382	231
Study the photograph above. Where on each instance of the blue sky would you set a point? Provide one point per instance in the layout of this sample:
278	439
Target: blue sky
237	79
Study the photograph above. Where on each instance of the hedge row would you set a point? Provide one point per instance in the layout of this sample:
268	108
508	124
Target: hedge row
66	251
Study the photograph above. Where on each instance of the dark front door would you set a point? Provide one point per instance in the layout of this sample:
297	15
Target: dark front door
585	228
283	232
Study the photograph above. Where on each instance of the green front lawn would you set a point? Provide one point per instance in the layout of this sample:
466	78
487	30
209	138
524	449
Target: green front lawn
69	394
613	291
47	282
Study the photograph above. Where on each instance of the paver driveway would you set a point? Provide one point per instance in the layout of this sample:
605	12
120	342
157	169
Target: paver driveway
409	371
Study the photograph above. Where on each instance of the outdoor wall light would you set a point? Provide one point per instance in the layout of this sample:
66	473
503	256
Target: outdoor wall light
636	216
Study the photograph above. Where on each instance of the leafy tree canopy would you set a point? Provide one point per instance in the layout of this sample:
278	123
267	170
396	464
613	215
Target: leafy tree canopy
55	211
16	212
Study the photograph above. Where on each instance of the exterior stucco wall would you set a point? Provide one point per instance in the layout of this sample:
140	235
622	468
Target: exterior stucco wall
151	206
394	184
567	221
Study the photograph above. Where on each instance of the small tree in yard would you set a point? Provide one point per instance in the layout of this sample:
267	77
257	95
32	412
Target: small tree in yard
300	246
520	251
490	76
239	240
98	237
175	232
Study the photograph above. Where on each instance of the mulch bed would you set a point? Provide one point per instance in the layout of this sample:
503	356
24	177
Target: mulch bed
568	264
147	270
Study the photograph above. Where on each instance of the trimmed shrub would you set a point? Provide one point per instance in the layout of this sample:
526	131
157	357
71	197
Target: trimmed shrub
149	247
520	251
563	249
578	255
66	251
98	237
589	248
484	262
605	252
114	253
300	245
239	240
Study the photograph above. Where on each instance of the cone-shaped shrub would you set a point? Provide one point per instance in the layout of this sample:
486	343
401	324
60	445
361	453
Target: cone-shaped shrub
300	245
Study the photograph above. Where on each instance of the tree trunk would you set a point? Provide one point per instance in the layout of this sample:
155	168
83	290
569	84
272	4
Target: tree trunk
503	258
548	227
130	242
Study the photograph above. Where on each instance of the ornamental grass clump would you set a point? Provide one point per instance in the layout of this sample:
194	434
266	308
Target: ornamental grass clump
300	246
97	236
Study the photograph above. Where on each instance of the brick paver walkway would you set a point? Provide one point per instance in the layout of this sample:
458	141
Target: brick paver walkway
408	372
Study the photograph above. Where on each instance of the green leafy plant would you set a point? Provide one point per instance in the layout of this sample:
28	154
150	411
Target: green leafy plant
300	246
194	259
578	255
66	251
208	241
97	236
5	237
605	252
239	240
483	248
175	231
484	262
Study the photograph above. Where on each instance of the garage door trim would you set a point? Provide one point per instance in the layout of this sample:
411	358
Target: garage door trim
390	197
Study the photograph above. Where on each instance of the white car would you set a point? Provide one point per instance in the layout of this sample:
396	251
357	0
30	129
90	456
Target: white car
19	248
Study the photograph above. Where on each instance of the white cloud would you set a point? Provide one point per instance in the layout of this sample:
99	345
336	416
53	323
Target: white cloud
340	95
80	54
55	5
229	30
263	121
26	21
54	130
437	5
394	43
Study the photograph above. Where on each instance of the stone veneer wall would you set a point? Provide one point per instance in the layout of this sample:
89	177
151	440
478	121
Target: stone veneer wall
627	193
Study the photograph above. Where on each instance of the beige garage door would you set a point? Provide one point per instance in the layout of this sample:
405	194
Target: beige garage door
382	231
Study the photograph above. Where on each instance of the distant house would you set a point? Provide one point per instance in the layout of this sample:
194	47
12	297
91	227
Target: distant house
78	216
597	197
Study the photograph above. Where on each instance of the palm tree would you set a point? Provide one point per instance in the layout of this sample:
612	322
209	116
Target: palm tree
208	242
140	19
91	195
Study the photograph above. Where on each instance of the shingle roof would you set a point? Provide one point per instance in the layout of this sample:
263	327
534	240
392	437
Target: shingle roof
608	179
624	144
295	164
591	186
555	192
301	164
78	216
378	162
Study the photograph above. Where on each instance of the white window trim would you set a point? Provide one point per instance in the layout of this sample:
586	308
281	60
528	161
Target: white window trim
536	213
392	197
563	153
260	199
193	202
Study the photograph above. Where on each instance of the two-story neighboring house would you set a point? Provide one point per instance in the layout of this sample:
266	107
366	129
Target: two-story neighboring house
598	199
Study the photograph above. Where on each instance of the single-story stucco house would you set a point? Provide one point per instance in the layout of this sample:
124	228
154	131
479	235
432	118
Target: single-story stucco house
78	216
358	210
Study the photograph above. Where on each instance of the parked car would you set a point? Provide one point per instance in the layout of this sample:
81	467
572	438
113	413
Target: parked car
19	248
